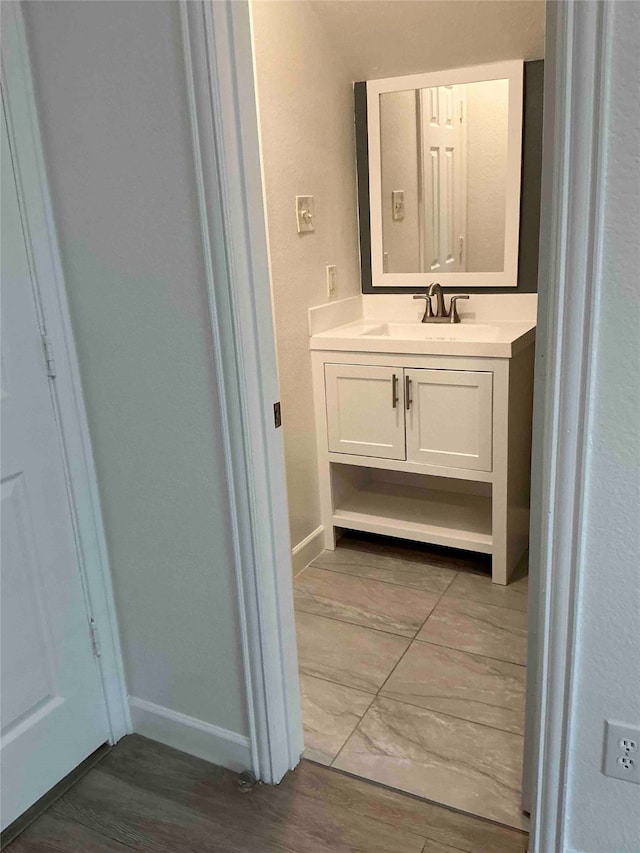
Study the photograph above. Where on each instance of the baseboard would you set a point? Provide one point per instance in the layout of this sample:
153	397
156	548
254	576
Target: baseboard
307	550
188	734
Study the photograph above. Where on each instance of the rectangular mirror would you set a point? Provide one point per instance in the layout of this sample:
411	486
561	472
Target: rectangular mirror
445	154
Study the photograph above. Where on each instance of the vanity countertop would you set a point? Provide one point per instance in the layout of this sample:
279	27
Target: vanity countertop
483	340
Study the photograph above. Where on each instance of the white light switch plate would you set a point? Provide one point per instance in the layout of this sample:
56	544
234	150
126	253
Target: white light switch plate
304	213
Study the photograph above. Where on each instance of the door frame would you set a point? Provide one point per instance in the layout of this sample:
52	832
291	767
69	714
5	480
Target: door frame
576	94
218	56
43	253
216	39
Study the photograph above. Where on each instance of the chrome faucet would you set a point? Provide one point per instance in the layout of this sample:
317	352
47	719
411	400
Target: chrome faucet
441	315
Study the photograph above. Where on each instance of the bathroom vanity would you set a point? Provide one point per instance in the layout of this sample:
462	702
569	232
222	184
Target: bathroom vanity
424	433
424	428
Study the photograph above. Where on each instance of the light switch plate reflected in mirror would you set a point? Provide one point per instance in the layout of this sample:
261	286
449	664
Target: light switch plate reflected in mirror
397	205
304	213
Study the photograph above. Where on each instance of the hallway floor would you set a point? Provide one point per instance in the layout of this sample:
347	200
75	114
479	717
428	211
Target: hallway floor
412	668
146	797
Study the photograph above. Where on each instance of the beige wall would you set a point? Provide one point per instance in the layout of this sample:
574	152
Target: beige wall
399	156
388	38
305	95
487	138
109	81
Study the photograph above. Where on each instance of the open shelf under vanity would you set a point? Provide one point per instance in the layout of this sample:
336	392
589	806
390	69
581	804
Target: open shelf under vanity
423	508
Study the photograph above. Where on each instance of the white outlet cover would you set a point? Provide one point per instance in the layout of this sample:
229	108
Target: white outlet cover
621	758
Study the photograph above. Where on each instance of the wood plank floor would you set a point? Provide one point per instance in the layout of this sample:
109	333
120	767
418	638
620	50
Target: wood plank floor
144	796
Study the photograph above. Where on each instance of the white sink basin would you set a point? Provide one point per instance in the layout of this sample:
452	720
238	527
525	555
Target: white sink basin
433	332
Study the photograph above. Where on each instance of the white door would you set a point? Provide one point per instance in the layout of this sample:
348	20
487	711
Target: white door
365	410
443	158
449	418
52	710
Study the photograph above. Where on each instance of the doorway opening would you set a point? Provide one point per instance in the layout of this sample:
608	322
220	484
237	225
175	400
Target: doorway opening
412	657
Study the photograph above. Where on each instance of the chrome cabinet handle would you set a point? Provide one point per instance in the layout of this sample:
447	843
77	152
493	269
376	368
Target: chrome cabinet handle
394	391
407	392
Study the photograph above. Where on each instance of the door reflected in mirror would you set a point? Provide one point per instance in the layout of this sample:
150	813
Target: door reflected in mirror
446	146
445	176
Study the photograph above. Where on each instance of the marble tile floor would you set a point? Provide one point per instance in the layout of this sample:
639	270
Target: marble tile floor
412	672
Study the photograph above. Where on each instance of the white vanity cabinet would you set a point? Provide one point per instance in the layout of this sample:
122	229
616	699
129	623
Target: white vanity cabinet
432	448
429	416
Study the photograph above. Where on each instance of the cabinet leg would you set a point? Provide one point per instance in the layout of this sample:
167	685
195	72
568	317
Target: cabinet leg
499	573
500	555
329	538
505	562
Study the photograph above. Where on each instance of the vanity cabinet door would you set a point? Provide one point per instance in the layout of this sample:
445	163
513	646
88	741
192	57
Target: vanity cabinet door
365	410
449	418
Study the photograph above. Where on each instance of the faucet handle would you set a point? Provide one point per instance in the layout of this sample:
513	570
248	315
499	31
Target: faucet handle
428	311
453	308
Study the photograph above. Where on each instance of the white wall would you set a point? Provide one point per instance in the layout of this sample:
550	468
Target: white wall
111	94
603	813
305	98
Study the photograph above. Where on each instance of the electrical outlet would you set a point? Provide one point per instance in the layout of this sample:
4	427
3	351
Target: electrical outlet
621	752
331	280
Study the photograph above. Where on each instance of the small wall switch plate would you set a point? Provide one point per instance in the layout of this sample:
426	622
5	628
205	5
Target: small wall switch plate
304	213
331	280
621	752
397	203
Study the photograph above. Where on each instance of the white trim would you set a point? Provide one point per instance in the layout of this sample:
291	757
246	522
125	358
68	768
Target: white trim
37	213
219	70
445	76
513	71
572	216
307	550
204	740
